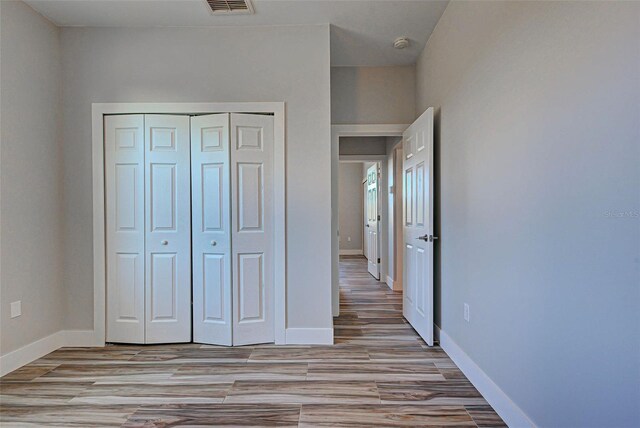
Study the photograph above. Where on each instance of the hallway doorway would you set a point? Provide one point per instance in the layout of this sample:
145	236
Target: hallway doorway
369	309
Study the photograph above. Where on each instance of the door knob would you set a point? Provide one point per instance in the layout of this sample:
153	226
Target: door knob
424	238
214	243
164	242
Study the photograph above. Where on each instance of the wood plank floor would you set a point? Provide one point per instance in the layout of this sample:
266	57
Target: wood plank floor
379	373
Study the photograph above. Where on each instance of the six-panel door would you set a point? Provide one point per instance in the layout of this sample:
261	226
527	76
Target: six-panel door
252	227
124	190
168	229
418	225
160	170
211	229
372	221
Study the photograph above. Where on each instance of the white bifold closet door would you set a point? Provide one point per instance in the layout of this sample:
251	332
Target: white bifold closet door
211	227
232	182
148	216
252	228
168	229
190	195
124	190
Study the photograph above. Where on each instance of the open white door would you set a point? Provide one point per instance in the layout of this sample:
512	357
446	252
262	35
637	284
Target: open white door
124	183
372	221
252	228
365	219
211	229
168	229
418	225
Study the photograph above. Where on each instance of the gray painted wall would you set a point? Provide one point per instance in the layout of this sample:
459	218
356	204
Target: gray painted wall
372	94
351	211
362	146
538	141
288	64
30	177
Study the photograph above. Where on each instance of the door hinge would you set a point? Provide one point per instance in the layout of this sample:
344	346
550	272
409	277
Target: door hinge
378	217
378	259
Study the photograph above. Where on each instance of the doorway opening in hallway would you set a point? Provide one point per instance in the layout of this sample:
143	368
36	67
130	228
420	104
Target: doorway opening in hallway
369	205
370	266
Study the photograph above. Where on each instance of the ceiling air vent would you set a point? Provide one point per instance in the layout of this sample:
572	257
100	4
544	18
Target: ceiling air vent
226	7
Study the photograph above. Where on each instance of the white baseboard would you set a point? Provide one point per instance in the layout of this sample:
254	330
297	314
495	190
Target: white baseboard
394	285
510	413
38	349
28	353
390	282
309	336
86	338
351	252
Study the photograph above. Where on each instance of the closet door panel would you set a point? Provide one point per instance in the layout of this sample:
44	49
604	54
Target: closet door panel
168	224
124	189
212	322
252	228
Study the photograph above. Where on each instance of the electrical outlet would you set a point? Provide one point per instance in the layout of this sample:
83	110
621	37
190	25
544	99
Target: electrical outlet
466	312
16	309
349	238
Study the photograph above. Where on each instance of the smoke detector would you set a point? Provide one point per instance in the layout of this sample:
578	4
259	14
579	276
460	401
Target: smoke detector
230	7
401	43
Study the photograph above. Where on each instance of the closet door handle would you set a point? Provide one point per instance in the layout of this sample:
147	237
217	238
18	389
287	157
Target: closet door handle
164	242
214	243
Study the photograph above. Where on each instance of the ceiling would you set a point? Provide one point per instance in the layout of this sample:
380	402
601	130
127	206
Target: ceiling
362	32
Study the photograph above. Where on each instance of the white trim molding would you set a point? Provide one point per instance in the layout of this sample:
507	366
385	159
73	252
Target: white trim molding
501	403
389	282
393	284
38	349
310	336
31	352
436	333
351	252
98	110
369	130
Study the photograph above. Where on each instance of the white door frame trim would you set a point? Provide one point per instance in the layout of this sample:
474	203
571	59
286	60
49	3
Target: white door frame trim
98	110
337	131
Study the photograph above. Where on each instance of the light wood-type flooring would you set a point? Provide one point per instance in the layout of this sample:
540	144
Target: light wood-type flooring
378	373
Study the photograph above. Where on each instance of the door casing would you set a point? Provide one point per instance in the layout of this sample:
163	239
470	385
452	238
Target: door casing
98	111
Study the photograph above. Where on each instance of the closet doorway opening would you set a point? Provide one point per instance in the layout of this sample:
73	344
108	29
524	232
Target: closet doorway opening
189	223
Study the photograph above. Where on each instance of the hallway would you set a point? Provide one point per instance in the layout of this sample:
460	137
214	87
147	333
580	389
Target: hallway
379	373
413	380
